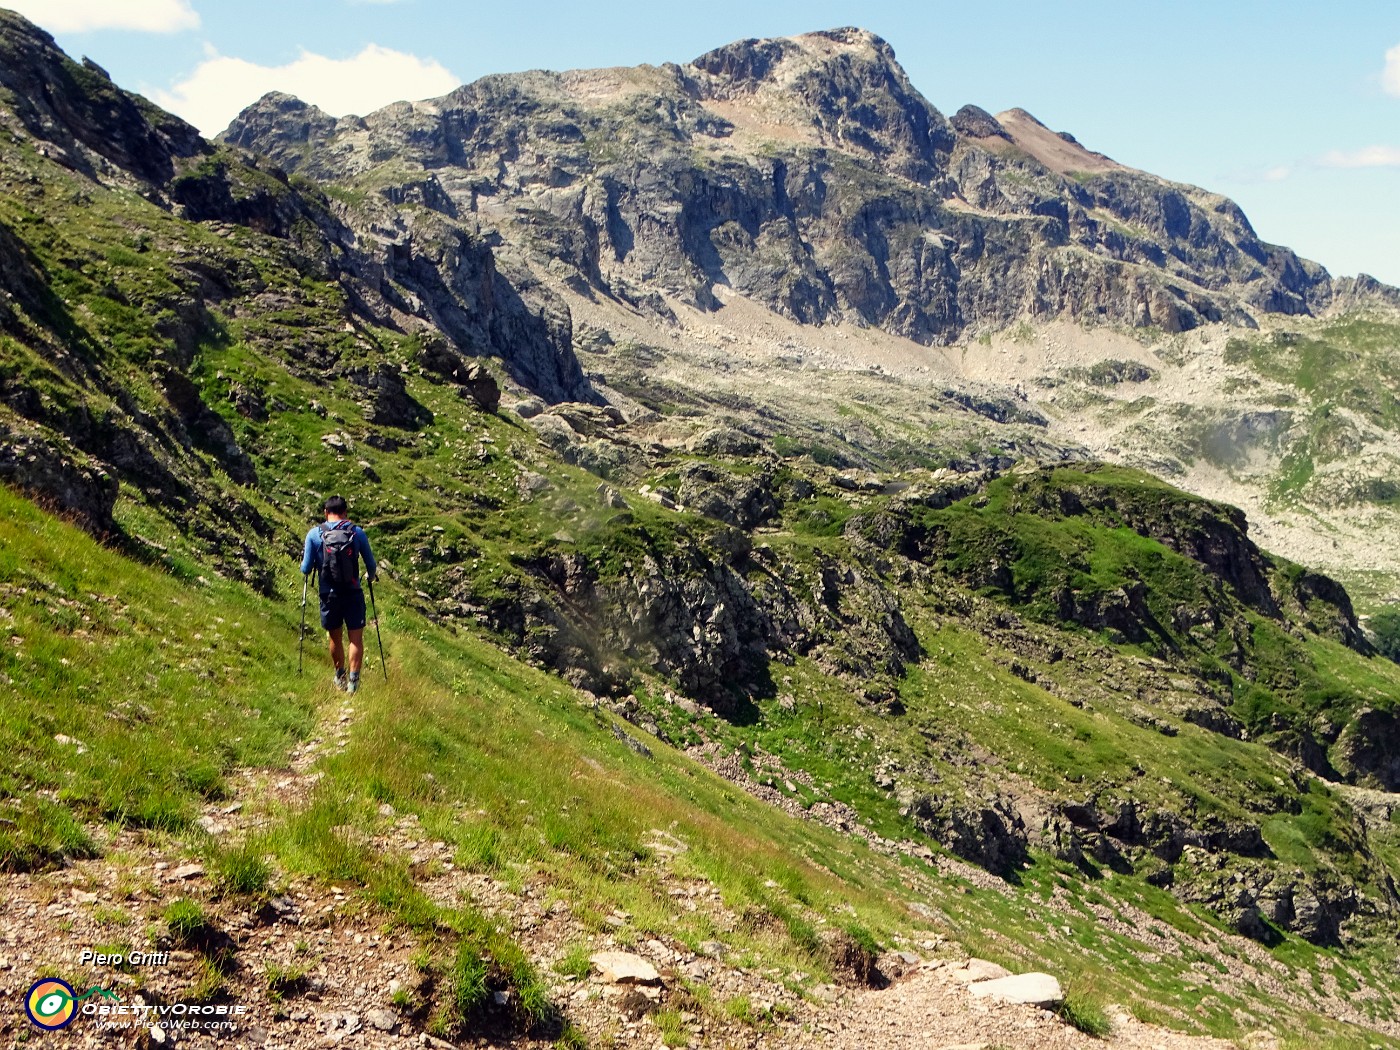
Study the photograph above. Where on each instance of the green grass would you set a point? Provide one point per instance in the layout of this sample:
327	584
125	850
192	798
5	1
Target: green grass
444	748
1046	553
444	742
574	962
672	1028
1084	1014
241	870
283	980
104	672
185	920
467	990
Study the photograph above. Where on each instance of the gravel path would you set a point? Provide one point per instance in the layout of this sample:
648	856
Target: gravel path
932	1010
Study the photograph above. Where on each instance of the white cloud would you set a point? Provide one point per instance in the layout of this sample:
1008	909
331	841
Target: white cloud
79	16
1367	157
1390	76
221	86
1278	174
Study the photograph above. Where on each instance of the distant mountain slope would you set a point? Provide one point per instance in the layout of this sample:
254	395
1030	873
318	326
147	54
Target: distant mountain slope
809	175
132	249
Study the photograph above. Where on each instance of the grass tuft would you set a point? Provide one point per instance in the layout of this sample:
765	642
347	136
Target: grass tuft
241	870
574	962
185	920
1085	1015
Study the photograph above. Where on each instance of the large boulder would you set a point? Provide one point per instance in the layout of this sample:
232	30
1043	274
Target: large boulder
623	968
1032	989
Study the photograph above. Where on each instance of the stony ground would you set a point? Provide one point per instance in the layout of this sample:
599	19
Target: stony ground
354	969
932	1009
314	966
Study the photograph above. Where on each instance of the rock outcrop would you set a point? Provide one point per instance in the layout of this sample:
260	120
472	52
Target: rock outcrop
707	612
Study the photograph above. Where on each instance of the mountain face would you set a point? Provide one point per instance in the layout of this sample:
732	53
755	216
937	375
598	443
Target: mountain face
78	428
76	116
808	175
737	492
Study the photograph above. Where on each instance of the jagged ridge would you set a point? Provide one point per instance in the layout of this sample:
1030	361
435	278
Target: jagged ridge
808	174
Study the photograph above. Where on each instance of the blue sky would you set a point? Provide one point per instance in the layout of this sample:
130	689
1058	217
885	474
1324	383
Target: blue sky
1292	108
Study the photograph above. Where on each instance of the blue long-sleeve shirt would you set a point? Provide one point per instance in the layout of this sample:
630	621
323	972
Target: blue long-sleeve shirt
314	550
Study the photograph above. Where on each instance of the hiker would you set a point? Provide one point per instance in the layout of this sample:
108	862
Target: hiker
334	548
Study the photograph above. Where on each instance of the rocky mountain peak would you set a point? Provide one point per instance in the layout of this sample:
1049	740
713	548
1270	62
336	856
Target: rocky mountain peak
85	120
843	84
809	175
747	64
975	122
278	122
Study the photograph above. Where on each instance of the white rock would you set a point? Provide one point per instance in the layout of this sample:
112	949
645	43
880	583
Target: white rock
979	970
624	968
384	1020
1035	989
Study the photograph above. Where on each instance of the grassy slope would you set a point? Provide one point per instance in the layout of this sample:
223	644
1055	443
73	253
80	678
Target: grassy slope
444	741
216	689
1297	678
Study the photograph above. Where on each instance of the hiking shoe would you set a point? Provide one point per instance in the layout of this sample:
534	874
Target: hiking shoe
339	680
353	685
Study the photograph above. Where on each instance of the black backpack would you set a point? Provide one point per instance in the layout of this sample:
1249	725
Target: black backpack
340	564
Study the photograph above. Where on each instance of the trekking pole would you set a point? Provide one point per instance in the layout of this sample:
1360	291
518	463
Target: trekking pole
375	609
301	641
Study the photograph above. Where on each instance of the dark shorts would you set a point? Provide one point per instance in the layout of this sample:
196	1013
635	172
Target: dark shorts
347	609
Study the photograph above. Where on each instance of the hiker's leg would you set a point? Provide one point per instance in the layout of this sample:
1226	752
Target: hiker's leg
357	649
338	648
355	624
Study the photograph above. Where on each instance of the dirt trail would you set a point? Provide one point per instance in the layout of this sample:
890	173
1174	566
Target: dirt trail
932	1010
